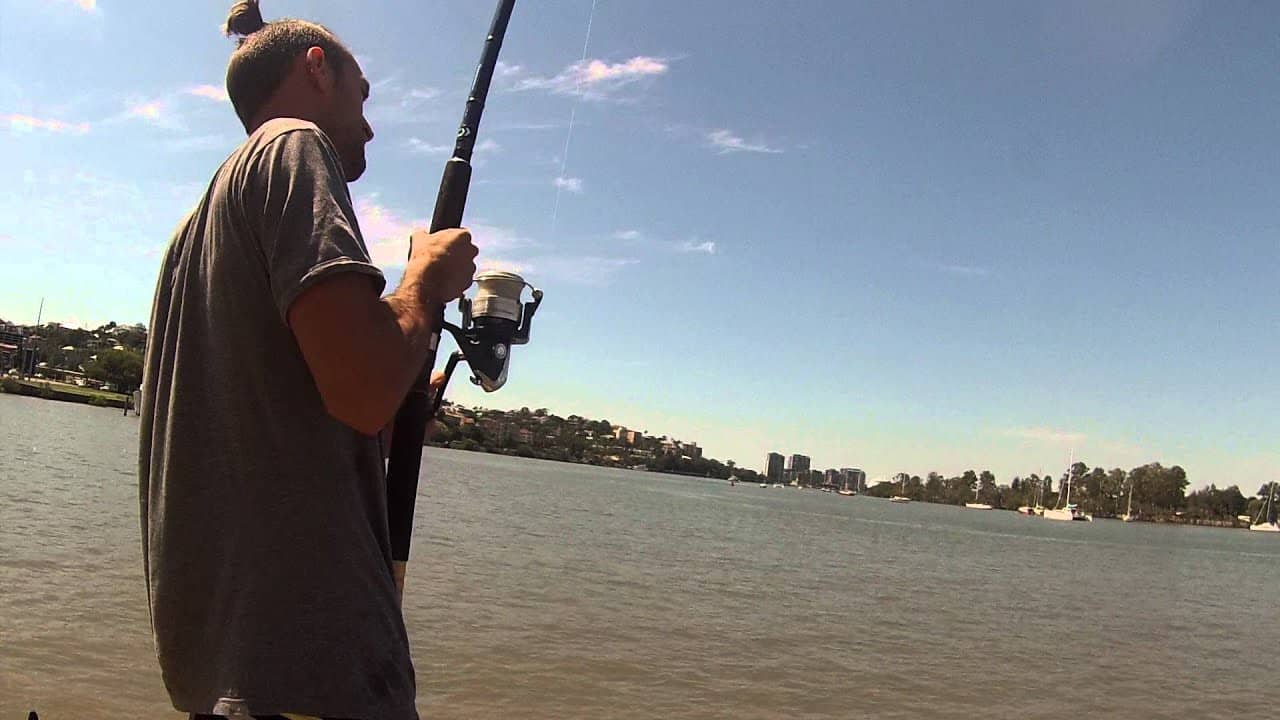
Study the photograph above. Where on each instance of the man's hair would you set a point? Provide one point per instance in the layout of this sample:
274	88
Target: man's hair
265	51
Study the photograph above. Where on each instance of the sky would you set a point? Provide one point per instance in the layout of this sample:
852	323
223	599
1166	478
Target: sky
912	237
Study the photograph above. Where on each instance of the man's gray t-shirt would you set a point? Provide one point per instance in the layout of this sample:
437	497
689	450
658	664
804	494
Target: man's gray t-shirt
264	520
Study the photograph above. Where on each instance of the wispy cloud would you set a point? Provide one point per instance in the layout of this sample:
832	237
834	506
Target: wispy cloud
209	92
503	69
386	233
391	103
695	246
29	123
725	141
1048	436
588	270
688	246
158	112
594	79
422	147
570	184
85	5
965	270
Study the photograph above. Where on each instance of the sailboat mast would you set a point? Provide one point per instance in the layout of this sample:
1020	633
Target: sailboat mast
1071	460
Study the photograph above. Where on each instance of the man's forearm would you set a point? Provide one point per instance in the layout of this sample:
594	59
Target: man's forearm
364	352
401	333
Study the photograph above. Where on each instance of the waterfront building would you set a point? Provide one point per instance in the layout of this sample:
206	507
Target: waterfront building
856	479
773	467
798	464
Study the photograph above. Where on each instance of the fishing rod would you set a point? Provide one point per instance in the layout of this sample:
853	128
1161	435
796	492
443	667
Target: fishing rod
491	323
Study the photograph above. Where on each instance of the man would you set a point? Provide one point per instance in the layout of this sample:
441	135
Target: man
272	364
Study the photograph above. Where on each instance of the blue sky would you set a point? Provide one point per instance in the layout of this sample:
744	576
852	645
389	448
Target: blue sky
896	236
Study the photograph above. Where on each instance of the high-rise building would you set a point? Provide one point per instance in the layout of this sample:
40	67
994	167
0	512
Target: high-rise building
831	477
854	479
798	463
773	467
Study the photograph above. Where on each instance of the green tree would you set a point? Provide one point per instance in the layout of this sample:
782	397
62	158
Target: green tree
121	368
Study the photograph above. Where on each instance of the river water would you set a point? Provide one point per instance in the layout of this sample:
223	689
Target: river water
545	590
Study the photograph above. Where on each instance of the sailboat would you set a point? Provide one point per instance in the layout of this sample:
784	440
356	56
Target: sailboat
901	497
975	505
1128	511
1266	520
1067	510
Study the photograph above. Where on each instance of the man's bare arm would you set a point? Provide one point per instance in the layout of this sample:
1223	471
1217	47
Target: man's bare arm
364	351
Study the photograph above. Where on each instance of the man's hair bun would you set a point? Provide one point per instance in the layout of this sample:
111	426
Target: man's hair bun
244	19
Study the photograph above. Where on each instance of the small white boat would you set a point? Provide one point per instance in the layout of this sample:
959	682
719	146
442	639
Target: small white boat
765	484
1266	520
975	505
778	485
1069	511
901	497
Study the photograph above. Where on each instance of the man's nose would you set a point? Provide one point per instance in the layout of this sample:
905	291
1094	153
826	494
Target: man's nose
368	131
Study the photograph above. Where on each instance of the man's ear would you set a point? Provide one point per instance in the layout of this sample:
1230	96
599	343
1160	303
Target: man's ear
319	71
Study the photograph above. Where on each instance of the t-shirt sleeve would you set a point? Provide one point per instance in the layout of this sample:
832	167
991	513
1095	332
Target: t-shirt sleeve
305	224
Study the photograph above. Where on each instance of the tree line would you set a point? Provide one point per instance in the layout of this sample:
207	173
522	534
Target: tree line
110	353
1157	492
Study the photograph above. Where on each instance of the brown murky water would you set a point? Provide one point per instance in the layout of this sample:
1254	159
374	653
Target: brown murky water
542	590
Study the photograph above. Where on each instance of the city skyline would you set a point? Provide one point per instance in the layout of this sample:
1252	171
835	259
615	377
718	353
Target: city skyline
976	236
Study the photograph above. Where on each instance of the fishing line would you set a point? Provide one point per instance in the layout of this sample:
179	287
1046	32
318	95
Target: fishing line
573	113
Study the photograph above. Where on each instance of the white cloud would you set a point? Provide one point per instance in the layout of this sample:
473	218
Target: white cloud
391	103
209	92
386	233
150	110
503	69
422	147
724	142
597	79
571	184
1048	436
708	247
90	6
965	270
589	270
28	123
158	112
635	237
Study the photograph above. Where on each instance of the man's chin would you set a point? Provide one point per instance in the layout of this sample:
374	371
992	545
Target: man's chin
356	172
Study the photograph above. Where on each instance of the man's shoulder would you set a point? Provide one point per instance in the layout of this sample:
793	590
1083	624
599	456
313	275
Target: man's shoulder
282	130
278	127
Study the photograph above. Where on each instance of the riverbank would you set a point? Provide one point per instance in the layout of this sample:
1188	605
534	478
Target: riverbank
64	392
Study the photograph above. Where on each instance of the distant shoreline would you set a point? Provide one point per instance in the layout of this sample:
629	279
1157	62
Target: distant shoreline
62	392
